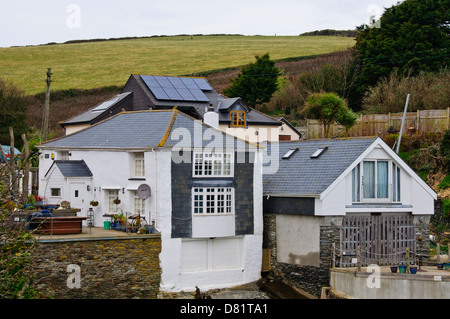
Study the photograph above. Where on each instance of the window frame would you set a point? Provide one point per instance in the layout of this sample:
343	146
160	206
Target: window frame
393	196
206	164
238	118
139	158
222	201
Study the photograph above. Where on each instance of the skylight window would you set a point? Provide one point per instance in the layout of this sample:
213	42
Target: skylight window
290	153
319	152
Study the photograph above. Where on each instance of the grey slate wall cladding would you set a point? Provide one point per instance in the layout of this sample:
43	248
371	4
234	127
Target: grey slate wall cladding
181	200
288	205
243	174
182	182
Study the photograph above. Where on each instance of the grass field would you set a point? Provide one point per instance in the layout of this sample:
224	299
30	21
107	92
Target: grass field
97	64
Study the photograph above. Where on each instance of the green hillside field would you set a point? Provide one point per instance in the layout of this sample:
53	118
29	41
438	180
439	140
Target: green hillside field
93	64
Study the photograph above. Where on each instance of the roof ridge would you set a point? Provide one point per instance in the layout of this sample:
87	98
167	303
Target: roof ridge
169	127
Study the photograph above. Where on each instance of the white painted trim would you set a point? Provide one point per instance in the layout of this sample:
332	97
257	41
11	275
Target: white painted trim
395	158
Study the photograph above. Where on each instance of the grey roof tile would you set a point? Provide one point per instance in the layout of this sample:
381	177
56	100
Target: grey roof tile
73	168
302	175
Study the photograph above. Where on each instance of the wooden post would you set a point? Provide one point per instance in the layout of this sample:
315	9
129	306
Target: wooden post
407	260
359	258
47	104
333	256
438	253
26	172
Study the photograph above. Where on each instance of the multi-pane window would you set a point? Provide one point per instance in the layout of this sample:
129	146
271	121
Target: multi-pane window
213	164
238	118
139	204
213	200
112	195
139	170
379	181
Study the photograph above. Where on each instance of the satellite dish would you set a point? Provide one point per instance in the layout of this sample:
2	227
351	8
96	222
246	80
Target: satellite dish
144	191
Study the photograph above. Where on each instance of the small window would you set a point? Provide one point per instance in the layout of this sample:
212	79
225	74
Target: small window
56	192
238	118
139	170
290	153
319	152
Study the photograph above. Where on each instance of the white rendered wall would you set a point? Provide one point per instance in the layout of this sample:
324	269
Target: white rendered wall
176	275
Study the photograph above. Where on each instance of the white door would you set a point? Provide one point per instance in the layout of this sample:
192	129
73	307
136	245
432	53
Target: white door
76	195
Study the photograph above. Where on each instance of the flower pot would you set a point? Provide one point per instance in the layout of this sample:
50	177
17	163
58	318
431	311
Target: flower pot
440	266
413	270
402	269
446	266
394	269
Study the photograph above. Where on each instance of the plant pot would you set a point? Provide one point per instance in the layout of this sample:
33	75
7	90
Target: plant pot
402	269
394	269
413	270
440	266
446	266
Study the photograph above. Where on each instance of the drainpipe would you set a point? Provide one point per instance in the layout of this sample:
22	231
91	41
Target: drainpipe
156	186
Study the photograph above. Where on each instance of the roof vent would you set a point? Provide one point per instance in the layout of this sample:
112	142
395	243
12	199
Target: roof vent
319	152
290	153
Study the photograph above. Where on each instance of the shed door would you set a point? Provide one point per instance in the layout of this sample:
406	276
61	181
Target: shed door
76	194
383	239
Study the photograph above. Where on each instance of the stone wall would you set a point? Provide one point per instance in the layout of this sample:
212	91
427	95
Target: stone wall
108	269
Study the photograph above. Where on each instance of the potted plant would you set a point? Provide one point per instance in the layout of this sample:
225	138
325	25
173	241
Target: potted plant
402	269
93	203
394	269
413	269
116	201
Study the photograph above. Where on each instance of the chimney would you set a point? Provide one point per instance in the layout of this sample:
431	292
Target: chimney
211	117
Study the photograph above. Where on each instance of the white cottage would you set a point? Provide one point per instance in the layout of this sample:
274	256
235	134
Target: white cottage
204	191
338	194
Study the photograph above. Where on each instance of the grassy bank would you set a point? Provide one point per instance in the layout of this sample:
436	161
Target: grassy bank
98	64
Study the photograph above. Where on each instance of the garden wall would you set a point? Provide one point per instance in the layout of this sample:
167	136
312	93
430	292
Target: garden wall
117	268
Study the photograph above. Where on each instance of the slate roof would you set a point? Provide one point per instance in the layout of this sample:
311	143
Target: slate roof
221	104
97	110
146	129
301	175
73	168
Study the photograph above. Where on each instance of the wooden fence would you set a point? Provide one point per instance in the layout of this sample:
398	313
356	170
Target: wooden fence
379	239
424	121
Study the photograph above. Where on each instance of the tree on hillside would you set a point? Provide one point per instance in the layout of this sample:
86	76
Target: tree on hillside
12	112
329	108
256	83
413	35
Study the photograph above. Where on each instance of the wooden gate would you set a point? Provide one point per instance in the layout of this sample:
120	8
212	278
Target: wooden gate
383	239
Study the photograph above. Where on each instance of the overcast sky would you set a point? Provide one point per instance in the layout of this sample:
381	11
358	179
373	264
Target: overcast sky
30	22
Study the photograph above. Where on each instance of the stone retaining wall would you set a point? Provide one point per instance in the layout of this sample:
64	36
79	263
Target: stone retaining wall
98	269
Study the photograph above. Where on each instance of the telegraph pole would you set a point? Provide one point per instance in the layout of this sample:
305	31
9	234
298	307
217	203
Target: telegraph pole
47	103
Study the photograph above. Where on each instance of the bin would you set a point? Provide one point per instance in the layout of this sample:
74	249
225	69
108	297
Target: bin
107	225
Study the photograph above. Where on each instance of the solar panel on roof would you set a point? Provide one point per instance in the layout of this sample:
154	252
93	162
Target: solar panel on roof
159	93
203	85
177	89
190	84
173	93
177	83
163	81
150	81
199	95
186	94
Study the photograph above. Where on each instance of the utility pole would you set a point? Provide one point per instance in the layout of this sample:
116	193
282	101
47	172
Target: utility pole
403	124
47	103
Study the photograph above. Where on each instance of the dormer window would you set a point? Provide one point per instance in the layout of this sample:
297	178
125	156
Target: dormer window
238	118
